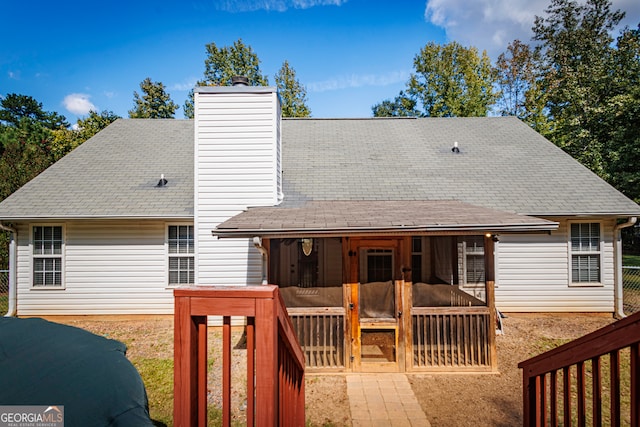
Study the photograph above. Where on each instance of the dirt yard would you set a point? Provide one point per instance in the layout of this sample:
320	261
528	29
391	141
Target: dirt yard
447	399
496	399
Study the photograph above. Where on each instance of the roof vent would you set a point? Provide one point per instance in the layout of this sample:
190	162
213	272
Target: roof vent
162	181
455	148
240	81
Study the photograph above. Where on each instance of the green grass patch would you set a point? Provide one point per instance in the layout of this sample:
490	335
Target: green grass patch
631	260
157	375
4	304
545	344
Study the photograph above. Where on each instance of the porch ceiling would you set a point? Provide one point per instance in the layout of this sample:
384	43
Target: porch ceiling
376	217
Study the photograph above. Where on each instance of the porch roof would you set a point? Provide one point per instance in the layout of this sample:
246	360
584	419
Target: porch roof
376	217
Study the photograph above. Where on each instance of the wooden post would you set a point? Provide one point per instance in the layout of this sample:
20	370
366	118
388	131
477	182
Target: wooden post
398	287
346	295
202	366
186	329
251	392
355	326
635	384
407	302
226	371
266	367
348	337
405	355
489	277
269	332
346	261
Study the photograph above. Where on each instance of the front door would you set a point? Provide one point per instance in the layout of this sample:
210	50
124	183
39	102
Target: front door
376	301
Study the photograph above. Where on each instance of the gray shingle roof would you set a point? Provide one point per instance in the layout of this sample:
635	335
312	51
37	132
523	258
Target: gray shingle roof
114	174
409	216
502	164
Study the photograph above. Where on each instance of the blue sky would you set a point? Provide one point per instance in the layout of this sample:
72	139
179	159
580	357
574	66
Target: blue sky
350	54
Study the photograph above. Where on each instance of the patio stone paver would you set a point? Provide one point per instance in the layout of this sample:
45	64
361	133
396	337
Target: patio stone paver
383	400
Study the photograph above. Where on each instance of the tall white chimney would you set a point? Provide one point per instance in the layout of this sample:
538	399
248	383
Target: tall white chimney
237	165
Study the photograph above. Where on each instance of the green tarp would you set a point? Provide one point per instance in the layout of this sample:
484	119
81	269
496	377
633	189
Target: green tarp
45	363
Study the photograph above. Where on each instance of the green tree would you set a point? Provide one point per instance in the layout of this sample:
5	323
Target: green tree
16	108
31	139
221	64
25	155
521	84
452	80
577	50
621	117
449	80
154	103
292	93
65	140
401	106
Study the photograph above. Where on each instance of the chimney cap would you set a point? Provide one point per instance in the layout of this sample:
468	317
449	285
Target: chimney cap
240	81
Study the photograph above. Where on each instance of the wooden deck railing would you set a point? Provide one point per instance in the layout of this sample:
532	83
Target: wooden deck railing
447	338
321	335
277	364
547	380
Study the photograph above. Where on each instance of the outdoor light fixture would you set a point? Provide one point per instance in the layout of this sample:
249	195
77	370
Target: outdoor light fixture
493	237
307	246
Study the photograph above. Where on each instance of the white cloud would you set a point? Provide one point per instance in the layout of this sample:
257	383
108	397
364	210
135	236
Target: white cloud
359	80
492	24
486	24
274	5
13	75
184	86
78	103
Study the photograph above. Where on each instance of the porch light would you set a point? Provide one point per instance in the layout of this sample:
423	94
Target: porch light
307	246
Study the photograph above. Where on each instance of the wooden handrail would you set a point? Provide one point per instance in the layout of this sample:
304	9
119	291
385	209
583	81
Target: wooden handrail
609	340
290	339
278	364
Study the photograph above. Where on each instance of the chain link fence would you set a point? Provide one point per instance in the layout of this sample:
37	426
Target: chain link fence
631	289
4	291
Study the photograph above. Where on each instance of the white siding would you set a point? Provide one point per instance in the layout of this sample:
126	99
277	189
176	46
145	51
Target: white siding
237	165
533	274
110	267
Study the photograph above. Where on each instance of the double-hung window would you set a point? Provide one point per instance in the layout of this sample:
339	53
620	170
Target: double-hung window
47	242
473	249
585	253
181	261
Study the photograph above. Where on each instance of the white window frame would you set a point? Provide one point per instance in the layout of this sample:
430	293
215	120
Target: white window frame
464	265
599	252
33	256
170	255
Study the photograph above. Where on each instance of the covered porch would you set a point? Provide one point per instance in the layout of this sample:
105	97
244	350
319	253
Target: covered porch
385	286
